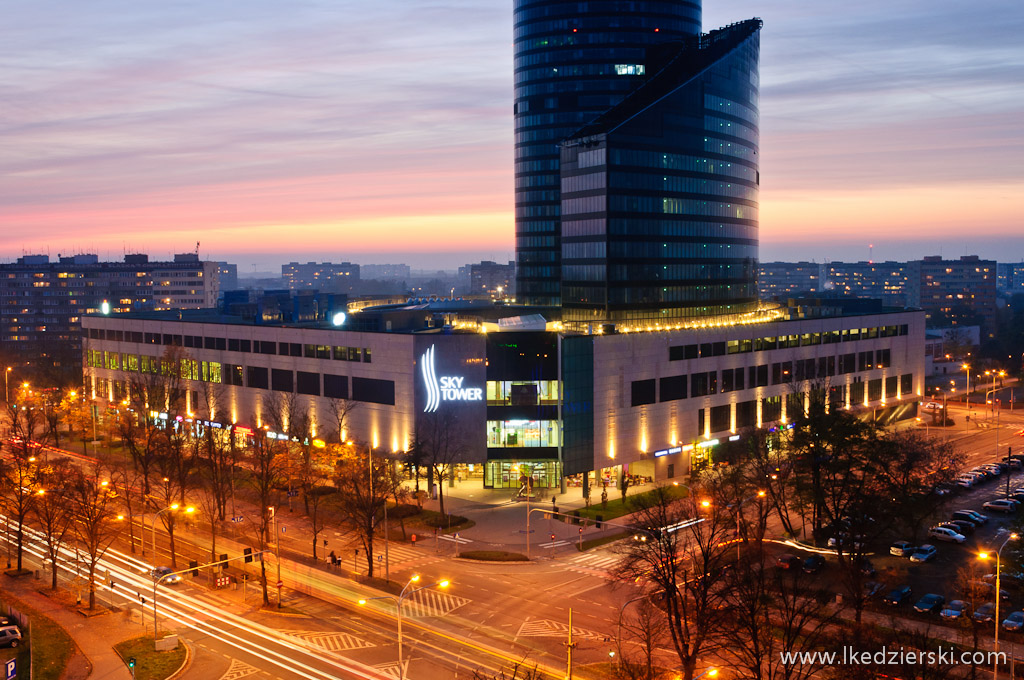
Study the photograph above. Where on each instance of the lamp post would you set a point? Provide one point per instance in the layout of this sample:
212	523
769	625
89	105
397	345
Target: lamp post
387	556
711	672
415	578
999	553
967	367
7	387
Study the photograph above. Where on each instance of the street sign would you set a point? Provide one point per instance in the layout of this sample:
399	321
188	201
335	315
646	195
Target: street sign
238	518
293	493
280	584
284	529
12	669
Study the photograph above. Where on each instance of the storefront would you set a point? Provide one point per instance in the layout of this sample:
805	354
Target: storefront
508	474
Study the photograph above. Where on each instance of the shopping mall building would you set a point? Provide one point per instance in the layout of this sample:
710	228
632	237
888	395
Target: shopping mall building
523	396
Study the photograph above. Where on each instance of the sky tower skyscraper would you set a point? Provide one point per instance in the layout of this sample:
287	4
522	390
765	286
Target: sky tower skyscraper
573	61
636	161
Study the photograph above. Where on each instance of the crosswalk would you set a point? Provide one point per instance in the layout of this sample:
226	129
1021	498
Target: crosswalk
548	628
392	669
430	602
455	539
238	670
553	544
595	564
332	641
399	556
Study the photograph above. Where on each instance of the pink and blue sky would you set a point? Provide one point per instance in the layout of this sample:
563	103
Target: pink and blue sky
372	132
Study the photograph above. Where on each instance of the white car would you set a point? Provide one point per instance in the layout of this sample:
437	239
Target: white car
945	534
1001	505
968	480
932	406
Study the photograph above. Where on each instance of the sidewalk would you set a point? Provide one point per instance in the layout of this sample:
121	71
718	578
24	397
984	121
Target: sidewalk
95	636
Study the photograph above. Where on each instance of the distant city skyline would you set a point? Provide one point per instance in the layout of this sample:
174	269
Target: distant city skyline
331	130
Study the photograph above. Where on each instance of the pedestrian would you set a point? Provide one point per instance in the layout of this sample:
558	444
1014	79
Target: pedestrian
334	558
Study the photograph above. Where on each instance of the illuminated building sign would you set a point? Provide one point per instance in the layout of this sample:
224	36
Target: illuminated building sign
668	452
445	387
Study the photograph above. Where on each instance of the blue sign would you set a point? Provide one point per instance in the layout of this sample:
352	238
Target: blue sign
293	493
12	669
668	452
284	529
238	518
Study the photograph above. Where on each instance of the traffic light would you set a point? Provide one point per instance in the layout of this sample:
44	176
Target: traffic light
194	566
248	555
131	662
552	538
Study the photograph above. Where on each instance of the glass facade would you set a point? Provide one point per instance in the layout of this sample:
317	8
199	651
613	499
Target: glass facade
522	433
659	194
510	474
573	60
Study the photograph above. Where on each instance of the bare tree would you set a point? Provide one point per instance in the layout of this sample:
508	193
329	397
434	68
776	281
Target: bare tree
680	556
96	521
441	443
52	509
18	472
363	489
341	409
517	671
641	635
266	460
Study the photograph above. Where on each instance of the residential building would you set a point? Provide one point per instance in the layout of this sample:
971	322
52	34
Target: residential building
493	279
328	277
885	281
954	292
42	302
384	272
228	276
781	280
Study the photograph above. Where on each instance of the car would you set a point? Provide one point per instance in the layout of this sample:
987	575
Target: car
968	481
1012	463
897	596
924	553
996	468
929	603
902	548
165	575
849	543
872	589
985	613
954	610
975	518
932	406
945	534
986	588
865	566
1004	505
10	636
813	564
963	526
981	472
788	562
1015	621
952	526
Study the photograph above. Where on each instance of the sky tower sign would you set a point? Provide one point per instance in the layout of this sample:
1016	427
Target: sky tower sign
445	387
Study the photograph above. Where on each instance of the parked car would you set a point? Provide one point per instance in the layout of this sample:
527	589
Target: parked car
954	610
847	542
962	526
897	596
902	548
985	612
929	603
788	562
971	516
1004	505
1012	463
10	635
167	574
924	553
872	589
995	468
987	588
866	568
813	564
945	534
1015	621
968	481
932	406
951	525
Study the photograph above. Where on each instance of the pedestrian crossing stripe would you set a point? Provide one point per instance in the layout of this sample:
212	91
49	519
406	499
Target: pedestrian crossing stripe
596	561
453	539
554	544
429	602
238	669
331	641
547	628
391	670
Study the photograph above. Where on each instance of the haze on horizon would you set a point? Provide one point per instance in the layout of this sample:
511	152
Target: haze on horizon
383	132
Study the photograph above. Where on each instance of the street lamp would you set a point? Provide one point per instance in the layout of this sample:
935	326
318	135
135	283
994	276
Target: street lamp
711	672
967	367
7	387
415	578
999	553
